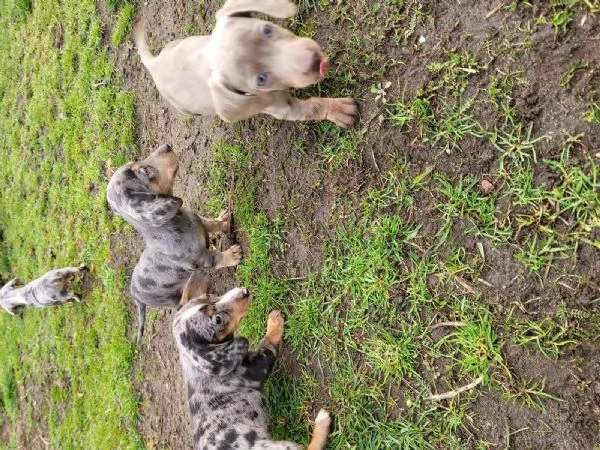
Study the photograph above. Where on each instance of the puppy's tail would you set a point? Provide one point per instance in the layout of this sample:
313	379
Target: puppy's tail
139	36
141	319
321	431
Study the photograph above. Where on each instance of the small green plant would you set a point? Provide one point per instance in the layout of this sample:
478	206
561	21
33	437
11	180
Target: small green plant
515	144
578	194
530	394
453	124
560	21
562	15
380	91
401	114
339	147
516	4
548	336
462	199
474	347
573	71
115	5
454	73
538	256
593	113
392	356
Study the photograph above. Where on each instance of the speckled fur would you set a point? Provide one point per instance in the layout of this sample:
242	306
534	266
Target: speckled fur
225	380
51	289
176	240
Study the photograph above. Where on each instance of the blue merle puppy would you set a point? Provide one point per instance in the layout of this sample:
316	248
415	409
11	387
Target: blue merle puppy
51	289
224	380
176	240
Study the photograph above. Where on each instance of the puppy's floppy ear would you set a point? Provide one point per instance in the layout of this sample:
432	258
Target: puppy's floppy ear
273	8
219	359
196	287
151	208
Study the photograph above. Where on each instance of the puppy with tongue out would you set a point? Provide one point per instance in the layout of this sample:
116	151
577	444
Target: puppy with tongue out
245	67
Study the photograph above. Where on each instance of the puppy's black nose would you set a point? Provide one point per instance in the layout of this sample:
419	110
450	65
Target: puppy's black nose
245	292
165	148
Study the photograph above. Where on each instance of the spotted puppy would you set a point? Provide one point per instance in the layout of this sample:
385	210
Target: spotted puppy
50	289
176	240
224	380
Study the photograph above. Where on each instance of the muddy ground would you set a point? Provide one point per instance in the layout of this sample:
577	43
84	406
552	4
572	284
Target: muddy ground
572	424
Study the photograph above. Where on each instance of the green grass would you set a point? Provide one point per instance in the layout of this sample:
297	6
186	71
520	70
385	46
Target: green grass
344	318
592	115
394	312
357	349
531	394
359	329
65	125
124	24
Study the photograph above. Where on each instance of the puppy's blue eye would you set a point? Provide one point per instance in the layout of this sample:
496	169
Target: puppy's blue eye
267	30
261	79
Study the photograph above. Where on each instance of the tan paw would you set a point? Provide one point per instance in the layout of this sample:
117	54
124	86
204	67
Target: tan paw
275	327
342	111
233	255
223	220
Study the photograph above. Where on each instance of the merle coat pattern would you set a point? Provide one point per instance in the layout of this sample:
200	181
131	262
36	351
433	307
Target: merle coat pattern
225	380
53	288
176	240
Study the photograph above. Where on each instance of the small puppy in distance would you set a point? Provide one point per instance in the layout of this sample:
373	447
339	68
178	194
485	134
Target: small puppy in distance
51	289
176	240
224	380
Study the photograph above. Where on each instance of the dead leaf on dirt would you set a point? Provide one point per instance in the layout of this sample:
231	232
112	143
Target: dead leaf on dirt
487	186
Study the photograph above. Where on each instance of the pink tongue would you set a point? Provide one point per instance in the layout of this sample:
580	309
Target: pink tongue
323	67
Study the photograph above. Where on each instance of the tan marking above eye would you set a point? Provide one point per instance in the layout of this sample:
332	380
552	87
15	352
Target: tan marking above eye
254	68
135	167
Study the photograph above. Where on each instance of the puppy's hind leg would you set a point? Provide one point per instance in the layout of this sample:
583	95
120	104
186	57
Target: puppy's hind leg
141	319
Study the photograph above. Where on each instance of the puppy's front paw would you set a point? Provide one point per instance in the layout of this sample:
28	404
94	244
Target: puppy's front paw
233	255
342	111
224	220
323	419
223	216
275	327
